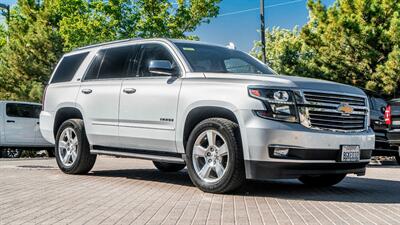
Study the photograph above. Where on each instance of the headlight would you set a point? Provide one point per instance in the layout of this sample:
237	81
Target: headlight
279	104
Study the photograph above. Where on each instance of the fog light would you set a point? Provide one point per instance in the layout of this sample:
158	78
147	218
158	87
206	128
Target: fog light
281	152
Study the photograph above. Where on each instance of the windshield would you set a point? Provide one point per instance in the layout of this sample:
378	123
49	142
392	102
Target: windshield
208	58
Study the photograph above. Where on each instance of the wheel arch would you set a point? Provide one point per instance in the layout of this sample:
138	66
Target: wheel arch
198	114
63	114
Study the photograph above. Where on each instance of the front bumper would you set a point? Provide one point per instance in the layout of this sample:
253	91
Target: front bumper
310	151
261	170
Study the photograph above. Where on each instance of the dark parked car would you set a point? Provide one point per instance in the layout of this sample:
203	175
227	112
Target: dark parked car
385	121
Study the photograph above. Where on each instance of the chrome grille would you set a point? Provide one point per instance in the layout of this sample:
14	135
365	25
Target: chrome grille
320	111
314	97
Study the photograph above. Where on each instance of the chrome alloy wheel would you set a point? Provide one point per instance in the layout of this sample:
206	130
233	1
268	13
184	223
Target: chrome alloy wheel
210	156
68	147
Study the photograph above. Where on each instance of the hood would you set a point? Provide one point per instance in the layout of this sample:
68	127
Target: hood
287	81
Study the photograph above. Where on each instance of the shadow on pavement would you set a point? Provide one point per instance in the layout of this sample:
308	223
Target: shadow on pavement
352	189
178	178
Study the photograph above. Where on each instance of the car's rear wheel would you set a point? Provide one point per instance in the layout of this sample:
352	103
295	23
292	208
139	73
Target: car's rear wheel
168	167
325	180
214	156
72	148
12	153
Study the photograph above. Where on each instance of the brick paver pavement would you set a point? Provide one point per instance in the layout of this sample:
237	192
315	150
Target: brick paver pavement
130	191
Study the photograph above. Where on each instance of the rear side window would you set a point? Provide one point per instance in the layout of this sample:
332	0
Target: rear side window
111	63
68	67
23	110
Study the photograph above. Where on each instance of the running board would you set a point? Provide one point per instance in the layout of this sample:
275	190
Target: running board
139	154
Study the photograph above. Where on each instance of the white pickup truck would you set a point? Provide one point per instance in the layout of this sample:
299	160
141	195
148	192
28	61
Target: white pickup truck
19	128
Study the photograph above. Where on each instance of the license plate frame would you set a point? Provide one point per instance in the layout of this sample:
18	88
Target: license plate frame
350	153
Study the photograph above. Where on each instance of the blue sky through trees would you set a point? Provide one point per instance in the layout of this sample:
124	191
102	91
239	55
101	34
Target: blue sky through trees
238	21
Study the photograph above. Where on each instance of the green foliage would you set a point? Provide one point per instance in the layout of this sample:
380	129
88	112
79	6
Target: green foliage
34	46
285	52
353	41
41	31
88	22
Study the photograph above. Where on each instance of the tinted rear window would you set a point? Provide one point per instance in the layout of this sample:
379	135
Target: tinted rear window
23	110
111	63
68	67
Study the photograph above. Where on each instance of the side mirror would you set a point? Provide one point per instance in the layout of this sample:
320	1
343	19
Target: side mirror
162	67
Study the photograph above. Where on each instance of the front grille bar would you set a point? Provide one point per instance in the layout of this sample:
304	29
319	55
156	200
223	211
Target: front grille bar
319	110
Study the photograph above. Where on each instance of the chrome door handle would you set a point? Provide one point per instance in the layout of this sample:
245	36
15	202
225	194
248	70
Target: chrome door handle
129	90
86	91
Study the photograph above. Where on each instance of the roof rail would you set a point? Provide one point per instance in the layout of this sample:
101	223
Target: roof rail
106	43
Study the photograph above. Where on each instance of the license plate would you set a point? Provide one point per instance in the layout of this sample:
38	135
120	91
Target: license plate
350	153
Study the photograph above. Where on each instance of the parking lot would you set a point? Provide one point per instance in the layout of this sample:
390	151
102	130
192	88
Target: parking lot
131	191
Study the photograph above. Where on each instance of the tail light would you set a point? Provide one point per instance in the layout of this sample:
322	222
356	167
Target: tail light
44	96
388	115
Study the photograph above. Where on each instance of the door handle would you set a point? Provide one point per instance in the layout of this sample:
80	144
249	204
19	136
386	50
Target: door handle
129	90
10	121
86	91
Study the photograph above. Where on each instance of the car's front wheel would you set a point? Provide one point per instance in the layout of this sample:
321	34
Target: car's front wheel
72	148
168	167
325	180
214	156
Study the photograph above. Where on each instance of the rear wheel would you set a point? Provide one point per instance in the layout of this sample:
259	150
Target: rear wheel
322	180
214	156
168	167
398	159
72	148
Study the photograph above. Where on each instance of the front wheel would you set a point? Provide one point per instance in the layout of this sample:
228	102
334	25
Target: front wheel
168	167
214	156
72	148
322	180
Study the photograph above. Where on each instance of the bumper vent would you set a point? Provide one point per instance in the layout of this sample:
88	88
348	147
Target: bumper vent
337	112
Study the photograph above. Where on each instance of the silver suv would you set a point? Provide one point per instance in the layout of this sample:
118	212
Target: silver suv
218	111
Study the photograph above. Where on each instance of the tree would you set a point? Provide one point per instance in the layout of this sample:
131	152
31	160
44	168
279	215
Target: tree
41	31
353	41
34	47
286	52
88	22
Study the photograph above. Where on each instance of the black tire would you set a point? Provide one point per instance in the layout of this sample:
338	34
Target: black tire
168	167
322	180
12	153
234	175
398	159
84	161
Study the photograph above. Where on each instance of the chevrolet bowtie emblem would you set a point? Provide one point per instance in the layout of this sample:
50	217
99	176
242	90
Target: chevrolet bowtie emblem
345	108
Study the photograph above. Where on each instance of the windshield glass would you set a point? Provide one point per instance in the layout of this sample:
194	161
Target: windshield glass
208	58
